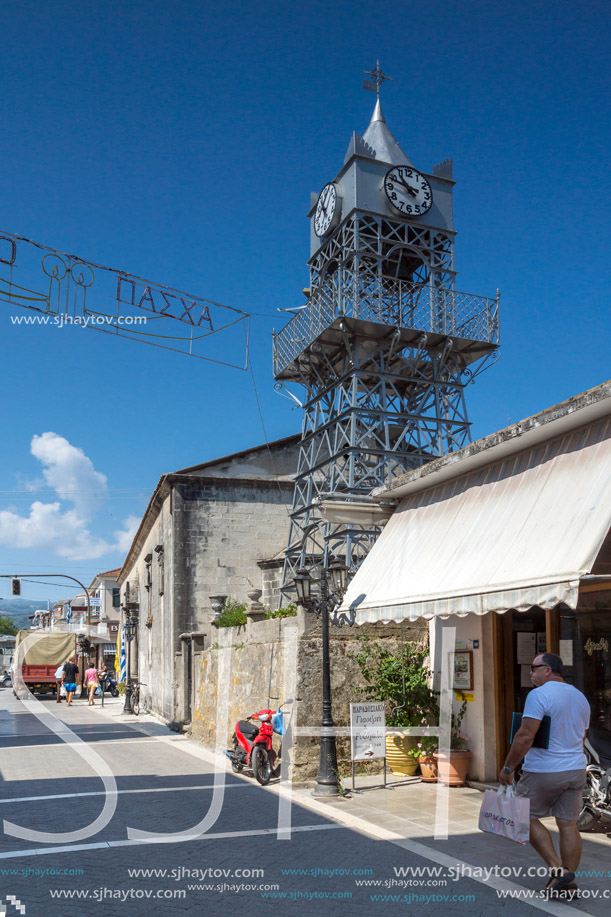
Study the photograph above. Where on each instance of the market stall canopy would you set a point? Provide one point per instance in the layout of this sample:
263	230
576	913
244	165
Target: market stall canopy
483	535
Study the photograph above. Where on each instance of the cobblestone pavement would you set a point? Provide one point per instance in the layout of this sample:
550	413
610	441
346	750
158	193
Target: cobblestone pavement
349	857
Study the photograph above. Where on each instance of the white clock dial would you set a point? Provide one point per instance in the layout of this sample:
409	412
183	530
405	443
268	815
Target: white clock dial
408	191
328	209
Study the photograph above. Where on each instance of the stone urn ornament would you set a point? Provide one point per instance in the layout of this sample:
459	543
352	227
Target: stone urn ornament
217	603
255	611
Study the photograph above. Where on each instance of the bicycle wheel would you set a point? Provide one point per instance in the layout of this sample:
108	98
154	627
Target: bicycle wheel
588	817
135	702
261	764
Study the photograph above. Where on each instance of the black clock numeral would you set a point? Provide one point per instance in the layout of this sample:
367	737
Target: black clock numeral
393	196
390	187
417	209
408	207
409	173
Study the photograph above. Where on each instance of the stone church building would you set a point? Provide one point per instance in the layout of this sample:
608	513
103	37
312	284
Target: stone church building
216	528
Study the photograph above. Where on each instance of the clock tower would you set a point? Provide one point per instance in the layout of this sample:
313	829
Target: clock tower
385	345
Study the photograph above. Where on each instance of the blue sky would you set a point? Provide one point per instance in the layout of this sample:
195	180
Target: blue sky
180	142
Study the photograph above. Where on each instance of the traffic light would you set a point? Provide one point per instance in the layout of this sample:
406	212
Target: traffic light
15	586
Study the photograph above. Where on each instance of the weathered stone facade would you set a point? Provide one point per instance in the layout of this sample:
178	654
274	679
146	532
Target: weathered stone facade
257	679
204	532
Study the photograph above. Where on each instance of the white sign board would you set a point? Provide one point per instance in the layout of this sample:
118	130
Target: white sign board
527	647
565	651
367	731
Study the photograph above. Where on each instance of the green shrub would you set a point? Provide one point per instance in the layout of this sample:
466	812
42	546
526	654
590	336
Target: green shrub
384	673
232	615
289	612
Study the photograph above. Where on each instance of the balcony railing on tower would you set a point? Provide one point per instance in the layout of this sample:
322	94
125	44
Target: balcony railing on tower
423	308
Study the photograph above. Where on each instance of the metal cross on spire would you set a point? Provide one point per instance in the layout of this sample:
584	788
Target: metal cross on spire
377	78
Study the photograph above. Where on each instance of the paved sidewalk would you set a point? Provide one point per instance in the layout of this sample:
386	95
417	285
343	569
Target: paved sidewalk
404	814
406	809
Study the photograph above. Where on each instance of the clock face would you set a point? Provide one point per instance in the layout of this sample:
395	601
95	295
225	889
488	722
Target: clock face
328	210
408	191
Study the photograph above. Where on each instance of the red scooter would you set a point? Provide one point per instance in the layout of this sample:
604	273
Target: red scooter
252	746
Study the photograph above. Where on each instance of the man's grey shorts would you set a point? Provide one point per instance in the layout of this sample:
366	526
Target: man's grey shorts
559	793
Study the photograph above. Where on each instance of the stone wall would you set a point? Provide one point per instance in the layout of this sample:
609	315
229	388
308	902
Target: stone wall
222	529
271	574
207	537
258	680
150	583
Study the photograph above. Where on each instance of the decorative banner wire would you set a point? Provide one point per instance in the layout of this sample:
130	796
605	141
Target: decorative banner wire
71	291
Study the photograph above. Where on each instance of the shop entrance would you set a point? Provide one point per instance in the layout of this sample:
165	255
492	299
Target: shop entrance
519	637
582	639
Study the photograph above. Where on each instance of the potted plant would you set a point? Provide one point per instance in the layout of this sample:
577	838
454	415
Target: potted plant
454	771
401	681
424	754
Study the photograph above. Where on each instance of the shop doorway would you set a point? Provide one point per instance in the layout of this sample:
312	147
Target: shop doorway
519	637
583	640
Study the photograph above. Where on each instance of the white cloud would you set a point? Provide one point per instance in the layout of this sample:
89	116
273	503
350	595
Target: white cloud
68	471
125	536
53	527
48	528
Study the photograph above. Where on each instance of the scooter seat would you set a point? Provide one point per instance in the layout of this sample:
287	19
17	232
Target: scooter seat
248	730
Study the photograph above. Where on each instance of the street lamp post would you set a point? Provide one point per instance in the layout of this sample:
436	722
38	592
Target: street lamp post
131	626
327	783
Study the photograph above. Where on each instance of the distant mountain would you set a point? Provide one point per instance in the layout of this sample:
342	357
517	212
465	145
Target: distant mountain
19	610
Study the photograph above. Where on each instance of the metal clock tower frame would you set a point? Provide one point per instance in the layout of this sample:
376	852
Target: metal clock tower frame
384	348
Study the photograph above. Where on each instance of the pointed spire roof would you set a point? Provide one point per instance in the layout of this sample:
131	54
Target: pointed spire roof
381	142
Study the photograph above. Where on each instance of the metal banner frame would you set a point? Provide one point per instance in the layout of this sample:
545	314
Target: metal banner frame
67	290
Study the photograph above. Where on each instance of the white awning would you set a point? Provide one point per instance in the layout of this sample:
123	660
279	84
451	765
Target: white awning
515	533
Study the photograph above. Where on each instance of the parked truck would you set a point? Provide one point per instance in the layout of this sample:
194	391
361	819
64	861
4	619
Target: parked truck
42	658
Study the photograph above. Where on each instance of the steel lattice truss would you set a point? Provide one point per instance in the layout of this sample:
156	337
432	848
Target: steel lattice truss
384	350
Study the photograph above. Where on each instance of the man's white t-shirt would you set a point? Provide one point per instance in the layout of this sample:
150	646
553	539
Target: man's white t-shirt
570	717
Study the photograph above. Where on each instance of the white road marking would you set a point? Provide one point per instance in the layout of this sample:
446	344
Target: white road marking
84	738
161	789
104	845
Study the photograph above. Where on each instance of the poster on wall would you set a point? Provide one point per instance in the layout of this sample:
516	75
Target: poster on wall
463	670
525	680
565	651
541	642
526	647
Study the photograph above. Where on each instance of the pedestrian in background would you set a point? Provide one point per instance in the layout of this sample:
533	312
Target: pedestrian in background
70	678
91	681
58	682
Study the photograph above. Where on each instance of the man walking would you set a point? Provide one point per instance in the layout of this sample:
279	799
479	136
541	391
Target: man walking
553	778
69	678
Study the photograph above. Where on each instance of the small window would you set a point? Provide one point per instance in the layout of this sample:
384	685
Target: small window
116	597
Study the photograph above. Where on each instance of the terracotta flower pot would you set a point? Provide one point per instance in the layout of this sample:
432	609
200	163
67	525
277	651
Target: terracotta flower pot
428	770
397	757
454	771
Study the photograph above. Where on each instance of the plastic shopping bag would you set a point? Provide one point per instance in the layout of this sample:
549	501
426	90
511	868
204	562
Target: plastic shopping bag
98	691
506	814
62	691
